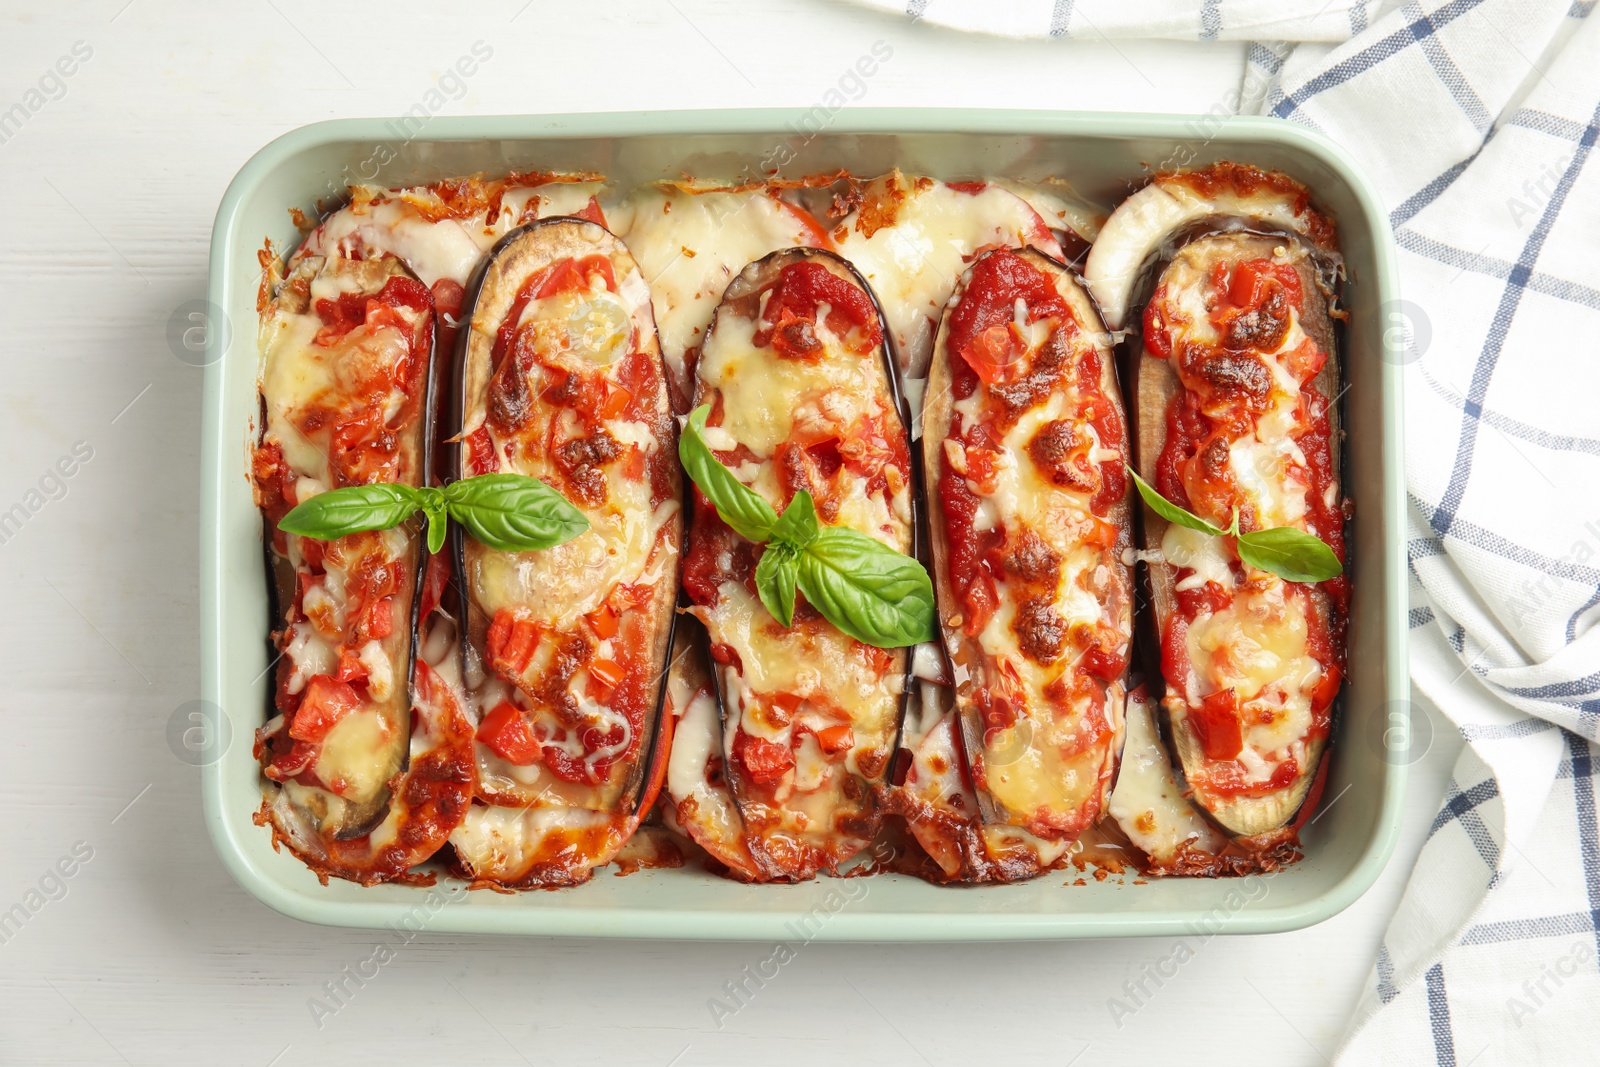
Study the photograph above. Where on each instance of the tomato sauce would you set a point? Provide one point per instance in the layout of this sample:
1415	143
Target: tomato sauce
793	302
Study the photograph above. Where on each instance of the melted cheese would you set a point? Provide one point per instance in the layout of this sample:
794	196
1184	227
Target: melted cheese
690	246
818	663
1058	206
380	672
562	584
378	222
1207	556
1147	802
1257	646
694	742
505	843
914	262
352	760
766	400
559	585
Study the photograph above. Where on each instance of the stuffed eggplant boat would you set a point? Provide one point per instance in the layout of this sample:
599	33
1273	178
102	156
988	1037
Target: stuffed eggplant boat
560	378
1236	385
1023	450
357	790
802	396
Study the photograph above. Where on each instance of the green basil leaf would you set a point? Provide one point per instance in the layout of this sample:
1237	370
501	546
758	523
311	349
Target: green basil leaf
867	589
1170	511
353	509
797	525
741	507
1291	554
775	578
512	512
434	507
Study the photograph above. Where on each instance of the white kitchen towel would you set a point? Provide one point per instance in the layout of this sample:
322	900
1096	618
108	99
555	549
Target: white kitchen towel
1477	120
1206	20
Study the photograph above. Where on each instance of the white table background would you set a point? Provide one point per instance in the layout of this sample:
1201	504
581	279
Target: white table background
154	955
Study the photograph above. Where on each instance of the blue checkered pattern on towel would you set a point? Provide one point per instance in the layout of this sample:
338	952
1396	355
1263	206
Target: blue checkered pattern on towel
1478	120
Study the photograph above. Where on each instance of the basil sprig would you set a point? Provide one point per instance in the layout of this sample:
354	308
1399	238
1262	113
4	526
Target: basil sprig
865	588
1291	554
508	512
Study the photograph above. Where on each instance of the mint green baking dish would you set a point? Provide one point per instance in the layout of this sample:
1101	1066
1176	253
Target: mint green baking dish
1102	155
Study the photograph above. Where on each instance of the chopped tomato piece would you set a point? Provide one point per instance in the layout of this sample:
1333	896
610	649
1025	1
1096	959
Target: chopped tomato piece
1216	725
1305	361
311	550
573	275
448	296
1327	688
506	732
604	676
811	232
511	642
591	212
763	760
1103	661
604	622
982	463
1102	533
434	582
326	700
480	451
1208	599
835	739
1247	287
1157	341
297	759
378	619
351	669
615	403
993	353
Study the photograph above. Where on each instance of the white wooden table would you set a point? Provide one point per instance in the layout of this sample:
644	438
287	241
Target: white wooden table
149	953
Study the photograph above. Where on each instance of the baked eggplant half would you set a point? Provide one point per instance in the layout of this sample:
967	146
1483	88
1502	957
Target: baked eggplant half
1024	440
346	391
1236	388
803	394
560	378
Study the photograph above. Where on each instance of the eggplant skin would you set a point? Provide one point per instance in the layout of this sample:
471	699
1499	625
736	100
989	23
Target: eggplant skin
508	389
788	844
1013	837
339	819
1156	388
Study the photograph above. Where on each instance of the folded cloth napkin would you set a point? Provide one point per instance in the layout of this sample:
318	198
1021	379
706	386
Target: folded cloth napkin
1477	120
